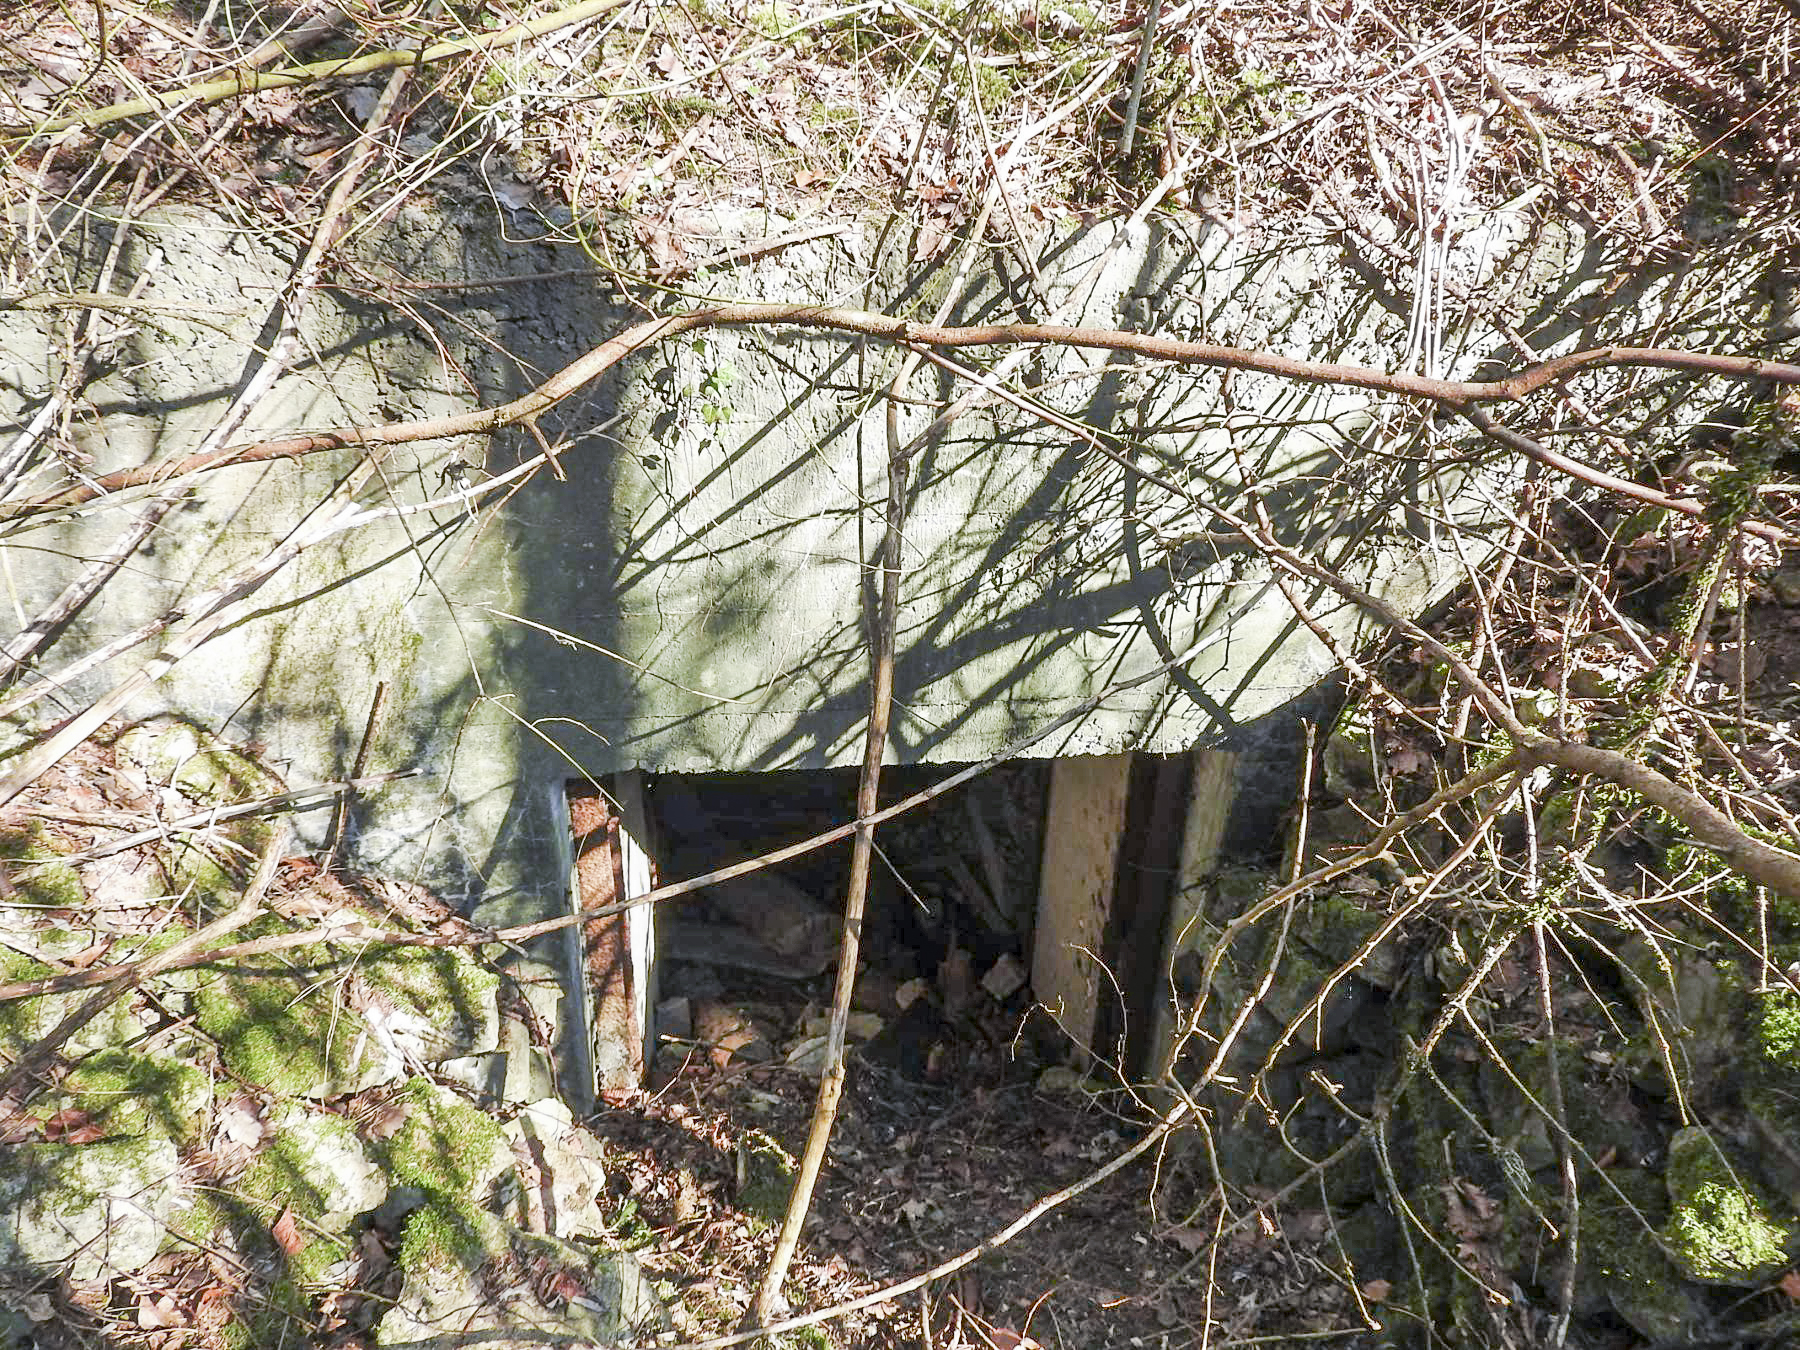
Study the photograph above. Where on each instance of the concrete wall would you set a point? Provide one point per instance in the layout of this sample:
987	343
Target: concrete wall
691	598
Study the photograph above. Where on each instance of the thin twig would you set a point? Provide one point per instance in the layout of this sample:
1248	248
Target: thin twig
296	799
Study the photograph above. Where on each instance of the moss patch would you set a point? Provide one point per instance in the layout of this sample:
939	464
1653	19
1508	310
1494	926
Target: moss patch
450	1154
53	884
765	1176
315	1165
1723	1227
1775	1028
274	1030
1621	1249
132	1095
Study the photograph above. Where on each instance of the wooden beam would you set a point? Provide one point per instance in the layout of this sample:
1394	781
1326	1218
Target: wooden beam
613	862
1212	791
1083	825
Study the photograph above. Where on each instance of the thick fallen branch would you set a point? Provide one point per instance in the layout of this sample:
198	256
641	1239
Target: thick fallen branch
1459	395
1762	863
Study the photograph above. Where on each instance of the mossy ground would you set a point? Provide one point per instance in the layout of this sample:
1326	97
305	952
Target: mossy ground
765	1176
52	886
132	1095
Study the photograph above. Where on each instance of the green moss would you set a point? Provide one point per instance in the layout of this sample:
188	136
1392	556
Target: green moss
23	1021
1775	1028
1619	1246
134	1095
26	1020
275	1032
439	1235
765	1176
772	20
1722	1228
52	885
445	986
277	1309
450	1153
238	1223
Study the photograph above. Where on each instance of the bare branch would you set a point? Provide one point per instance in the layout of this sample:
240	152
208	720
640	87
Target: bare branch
1459	395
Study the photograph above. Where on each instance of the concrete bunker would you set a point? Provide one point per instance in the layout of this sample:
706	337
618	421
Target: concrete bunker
692	599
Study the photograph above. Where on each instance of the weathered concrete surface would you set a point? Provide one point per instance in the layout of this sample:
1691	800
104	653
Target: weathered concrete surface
692	597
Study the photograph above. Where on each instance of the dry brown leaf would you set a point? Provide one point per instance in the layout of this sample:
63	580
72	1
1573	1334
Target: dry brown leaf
70	1126
1190	1240
156	1313
286	1232
1376	1291
1790	1285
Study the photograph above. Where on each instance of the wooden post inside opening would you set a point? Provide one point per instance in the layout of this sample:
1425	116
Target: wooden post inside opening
614	862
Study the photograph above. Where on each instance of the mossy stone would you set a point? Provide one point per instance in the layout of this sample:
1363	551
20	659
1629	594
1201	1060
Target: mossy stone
179	754
275	1031
1621	1252
131	1095
316	1166
25	1021
449	1154
49	884
1724	1227
101	1208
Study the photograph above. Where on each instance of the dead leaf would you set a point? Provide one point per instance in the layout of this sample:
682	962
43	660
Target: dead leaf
380	1117
1190	1240
1376	1291
1407	759
241	1122
563	1286
90	954
1790	1285
156	1313
286	1232
71	1126
929	241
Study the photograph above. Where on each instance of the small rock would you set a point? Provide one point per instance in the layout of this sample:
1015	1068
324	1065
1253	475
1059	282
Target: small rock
808	1057
570	1178
568	1296
675	1019
100	1207
1005	978
316	1163
1785	585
